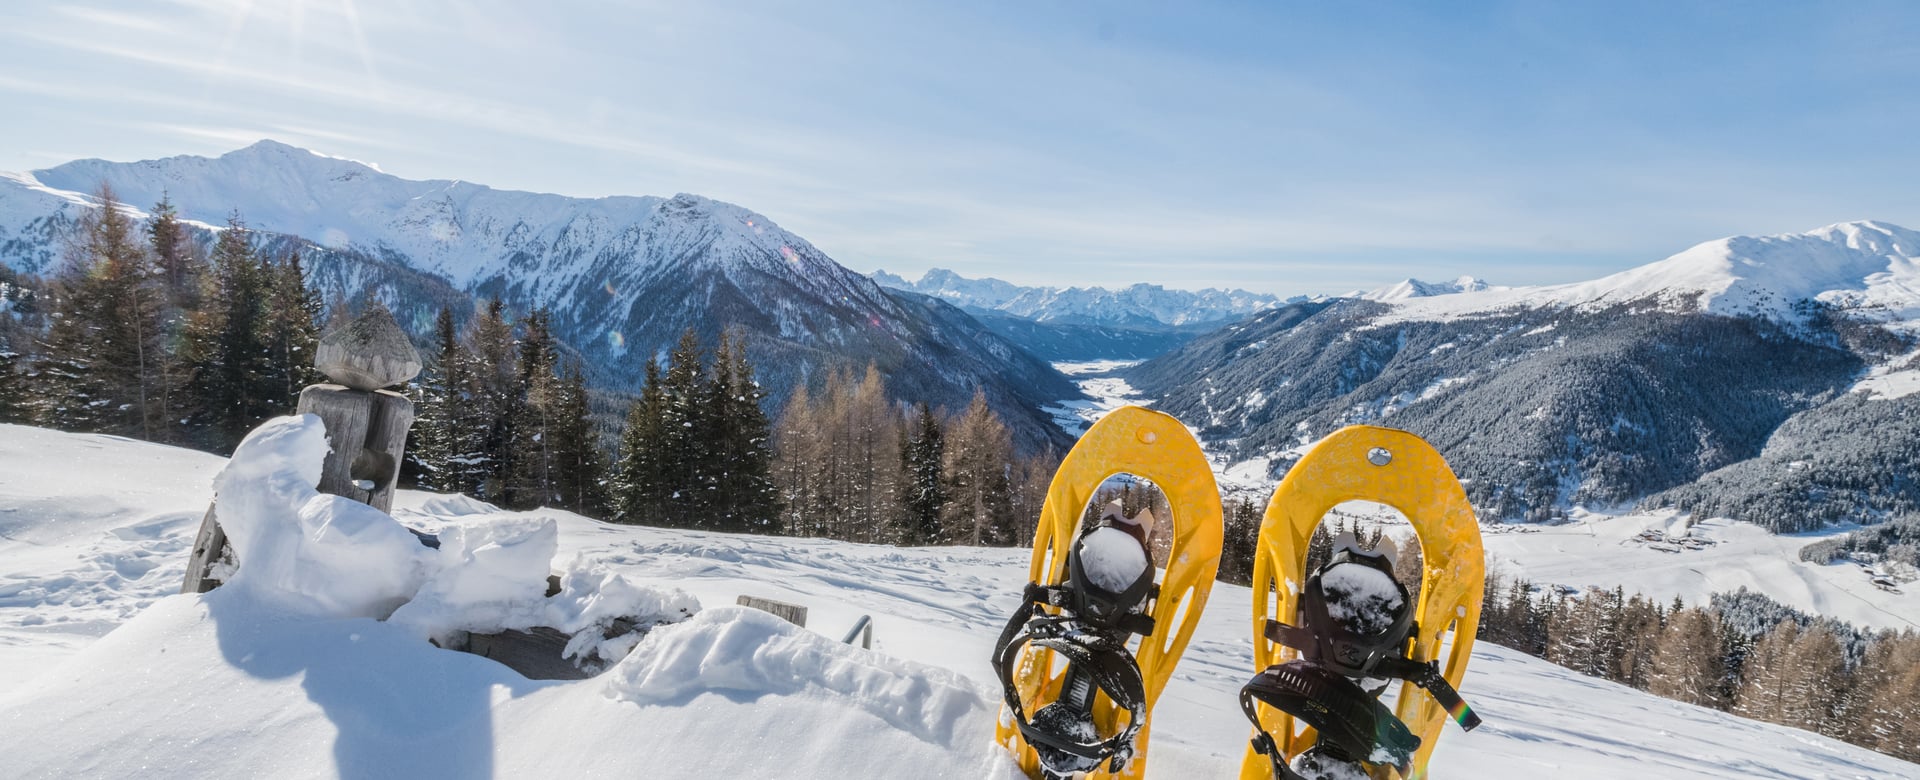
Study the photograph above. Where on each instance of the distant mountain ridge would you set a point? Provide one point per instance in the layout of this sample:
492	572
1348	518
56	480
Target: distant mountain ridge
623	276
1136	306
1784	367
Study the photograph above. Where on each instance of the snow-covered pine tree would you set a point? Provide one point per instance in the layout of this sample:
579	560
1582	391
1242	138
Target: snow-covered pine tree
15	406
290	329
924	496
978	449
176	262
450	435
580	476
639	483
226	352
496	397
1241	538
530	456
744	498
1687	663
685	454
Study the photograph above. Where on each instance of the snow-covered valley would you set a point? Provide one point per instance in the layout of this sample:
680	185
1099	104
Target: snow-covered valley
93	539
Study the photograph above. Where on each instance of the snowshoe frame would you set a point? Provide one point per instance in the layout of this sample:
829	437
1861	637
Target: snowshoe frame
1400	470
1153	445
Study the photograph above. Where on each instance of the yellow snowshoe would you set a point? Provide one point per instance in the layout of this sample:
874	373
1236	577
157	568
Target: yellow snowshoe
1324	639
1095	609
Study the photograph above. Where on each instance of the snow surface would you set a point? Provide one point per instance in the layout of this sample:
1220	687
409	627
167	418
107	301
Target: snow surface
230	685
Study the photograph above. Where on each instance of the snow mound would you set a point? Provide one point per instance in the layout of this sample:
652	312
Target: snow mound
749	654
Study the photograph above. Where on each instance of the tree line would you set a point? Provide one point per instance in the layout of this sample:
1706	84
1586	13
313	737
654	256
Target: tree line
1741	653
505	418
142	332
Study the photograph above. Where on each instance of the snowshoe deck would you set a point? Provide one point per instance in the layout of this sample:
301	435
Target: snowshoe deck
1400	470
1149	444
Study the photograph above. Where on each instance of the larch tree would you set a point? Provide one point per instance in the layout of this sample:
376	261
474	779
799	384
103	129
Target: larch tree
1687	664
978	450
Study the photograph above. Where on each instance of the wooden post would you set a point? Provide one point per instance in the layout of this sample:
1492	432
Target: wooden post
367	434
366	425
792	613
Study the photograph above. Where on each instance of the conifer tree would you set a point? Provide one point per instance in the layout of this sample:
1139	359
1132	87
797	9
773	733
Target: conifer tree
173	255
15	406
451	432
104	351
579	477
744	498
496	397
290	331
1240	541
640	482
228	356
530	457
975	472
925	496
686	455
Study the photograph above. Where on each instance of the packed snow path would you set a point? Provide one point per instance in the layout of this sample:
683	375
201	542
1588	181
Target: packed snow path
223	685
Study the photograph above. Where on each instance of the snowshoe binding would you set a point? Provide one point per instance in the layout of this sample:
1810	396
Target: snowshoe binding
1356	617
1109	580
1100	628
1355	630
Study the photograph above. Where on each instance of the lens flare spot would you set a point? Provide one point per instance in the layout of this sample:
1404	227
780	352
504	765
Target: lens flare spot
616	340
609	286
788	253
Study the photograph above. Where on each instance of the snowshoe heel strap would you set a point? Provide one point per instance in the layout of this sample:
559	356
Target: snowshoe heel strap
1351	723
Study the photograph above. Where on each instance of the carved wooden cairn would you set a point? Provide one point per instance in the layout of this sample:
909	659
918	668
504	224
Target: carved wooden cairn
366	426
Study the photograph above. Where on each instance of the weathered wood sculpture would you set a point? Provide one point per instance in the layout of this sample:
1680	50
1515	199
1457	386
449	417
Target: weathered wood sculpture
366	426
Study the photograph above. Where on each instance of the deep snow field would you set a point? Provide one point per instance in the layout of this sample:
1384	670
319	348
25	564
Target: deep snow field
105	673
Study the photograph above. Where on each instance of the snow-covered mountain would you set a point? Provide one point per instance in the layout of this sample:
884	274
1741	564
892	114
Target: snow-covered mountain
106	671
624	276
1414	288
1134	306
1782	368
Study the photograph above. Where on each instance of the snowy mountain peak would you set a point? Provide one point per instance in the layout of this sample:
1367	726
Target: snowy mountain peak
1869	268
1414	288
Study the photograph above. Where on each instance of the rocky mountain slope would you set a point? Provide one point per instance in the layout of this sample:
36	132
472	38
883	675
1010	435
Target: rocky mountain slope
1785	366
624	276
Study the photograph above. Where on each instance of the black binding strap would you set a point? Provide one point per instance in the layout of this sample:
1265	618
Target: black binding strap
1099	651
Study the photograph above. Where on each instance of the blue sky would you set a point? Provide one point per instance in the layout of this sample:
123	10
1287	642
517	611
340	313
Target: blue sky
1286	147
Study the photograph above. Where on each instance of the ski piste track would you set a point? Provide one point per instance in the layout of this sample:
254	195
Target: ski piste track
93	538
